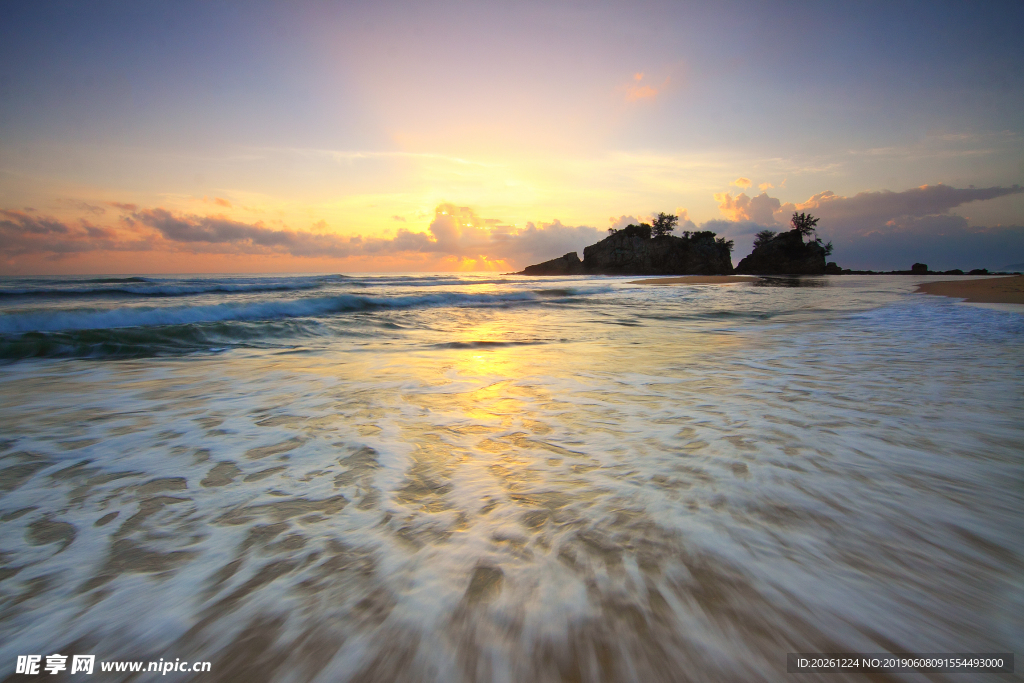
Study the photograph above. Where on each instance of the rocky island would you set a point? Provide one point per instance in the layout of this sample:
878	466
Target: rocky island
650	249
787	253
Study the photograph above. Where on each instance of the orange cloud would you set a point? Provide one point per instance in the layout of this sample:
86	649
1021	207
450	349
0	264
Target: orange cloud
760	209
741	182
765	186
639	91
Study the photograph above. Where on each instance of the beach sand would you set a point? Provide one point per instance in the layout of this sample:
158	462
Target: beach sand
1000	290
697	280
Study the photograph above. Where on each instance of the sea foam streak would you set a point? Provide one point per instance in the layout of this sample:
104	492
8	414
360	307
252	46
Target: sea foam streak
615	485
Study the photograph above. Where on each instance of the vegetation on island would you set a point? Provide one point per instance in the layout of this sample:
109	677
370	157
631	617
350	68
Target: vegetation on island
795	251
663	224
804	224
652	249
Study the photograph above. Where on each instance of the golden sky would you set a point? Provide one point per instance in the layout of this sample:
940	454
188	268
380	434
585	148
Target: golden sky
424	136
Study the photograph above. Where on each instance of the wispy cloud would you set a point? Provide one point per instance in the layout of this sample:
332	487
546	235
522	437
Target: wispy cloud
79	205
867	210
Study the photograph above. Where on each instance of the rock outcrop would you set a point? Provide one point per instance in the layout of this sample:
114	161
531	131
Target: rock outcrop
786	254
632	251
569	264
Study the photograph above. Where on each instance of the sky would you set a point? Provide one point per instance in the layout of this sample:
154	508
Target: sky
184	137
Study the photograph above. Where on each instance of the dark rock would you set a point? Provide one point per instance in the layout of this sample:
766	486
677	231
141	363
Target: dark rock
919	269
979	271
632	251
832	268
955	271
785	254
569	264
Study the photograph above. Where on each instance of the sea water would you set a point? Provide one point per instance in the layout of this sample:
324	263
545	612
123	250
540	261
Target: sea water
498	478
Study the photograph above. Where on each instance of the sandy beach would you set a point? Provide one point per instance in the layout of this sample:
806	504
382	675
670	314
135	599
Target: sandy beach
1001	290
697	280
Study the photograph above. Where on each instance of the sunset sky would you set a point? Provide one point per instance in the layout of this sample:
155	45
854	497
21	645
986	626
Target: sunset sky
172	137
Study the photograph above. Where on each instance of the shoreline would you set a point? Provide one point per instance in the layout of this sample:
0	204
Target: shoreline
995	290
698	280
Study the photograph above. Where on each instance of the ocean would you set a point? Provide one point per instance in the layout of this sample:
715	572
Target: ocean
466	477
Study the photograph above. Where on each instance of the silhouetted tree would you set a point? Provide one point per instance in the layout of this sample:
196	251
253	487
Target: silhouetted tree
804	223
763	237
664	224
633	230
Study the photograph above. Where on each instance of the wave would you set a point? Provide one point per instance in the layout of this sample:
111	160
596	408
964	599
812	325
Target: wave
110	280
143	342
153	288
139	316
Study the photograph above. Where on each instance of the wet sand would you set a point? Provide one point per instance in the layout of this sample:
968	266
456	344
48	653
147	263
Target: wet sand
698	280
999	290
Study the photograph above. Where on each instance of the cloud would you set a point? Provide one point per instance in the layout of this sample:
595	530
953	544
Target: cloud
741	182
638	90
765	187
879	230
684	221
867	210
81	206
543	241
741	232
401	219
246	237
622	221
220	201
460	231
885	229
455	231
21	234
760	209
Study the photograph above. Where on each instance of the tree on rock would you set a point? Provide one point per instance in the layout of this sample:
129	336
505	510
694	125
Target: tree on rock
804	223
664	224
788	253
763	237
